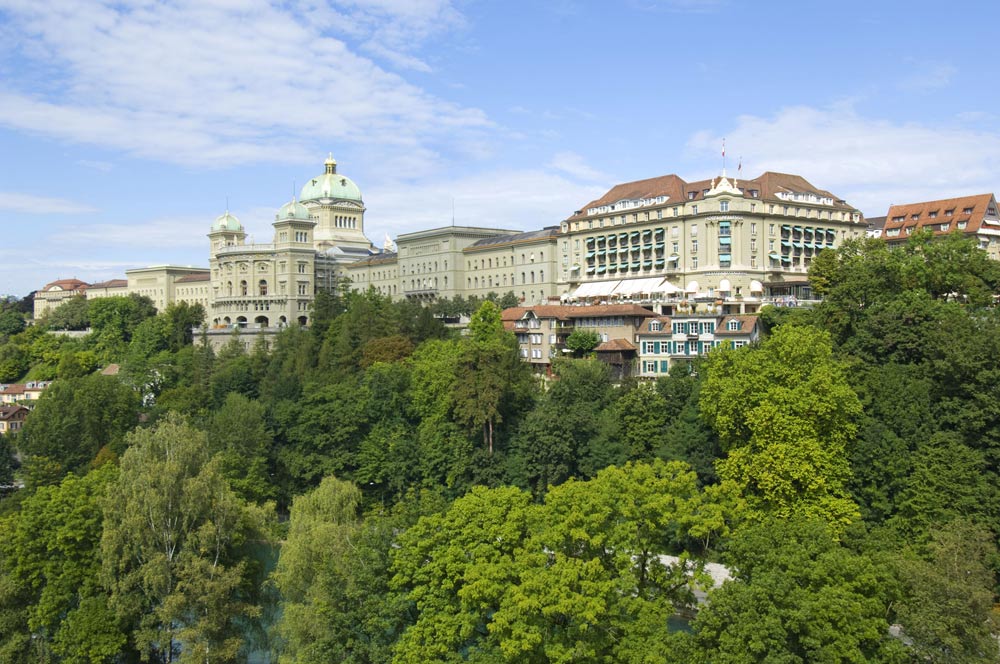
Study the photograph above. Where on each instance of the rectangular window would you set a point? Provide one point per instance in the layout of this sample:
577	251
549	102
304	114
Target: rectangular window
753	228
694	262
694	246
694	209
302	268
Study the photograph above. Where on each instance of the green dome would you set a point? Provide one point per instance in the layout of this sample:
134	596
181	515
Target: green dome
330	185
227	222
293	210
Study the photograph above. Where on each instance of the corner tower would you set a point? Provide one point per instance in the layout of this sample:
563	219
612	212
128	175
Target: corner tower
334	203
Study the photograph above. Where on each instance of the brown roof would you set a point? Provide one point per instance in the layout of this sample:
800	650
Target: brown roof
199	276
919	215
768	185
747	325
66	285
9	412
615	345
663	320
16	388
112	283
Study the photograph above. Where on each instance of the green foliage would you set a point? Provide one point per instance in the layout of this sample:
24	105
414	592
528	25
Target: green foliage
786	415
577	578
559	438
582	341
493	380
798	596
946	613
73	314
239	437
171	548
75	418
50	550
11	323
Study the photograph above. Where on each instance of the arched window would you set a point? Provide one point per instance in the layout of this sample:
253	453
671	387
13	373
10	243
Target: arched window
229	288
262	287
243	288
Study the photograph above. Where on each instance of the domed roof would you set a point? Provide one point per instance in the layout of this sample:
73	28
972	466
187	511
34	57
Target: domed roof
293	210
227	222
330	185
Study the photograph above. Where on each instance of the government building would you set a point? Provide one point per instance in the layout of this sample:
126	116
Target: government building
705	248
721	245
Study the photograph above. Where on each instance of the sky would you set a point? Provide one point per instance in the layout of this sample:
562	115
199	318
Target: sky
127	126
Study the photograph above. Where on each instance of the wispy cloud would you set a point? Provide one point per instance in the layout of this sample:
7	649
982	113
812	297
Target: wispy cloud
871	163
928	76
171	82
516	200
575	165
679	6
27	204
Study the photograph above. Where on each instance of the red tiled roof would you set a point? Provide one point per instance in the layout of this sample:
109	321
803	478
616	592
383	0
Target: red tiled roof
614	345
16	388
9	412
66	285
747	325
919	215
768	185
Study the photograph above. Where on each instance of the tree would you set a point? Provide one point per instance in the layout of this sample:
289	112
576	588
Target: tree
11	323
559	438
181	319
238	434
797	596
593	581
582	341
785	414
114	320
76	417
946	614
492	377
456	567
50	549
73	314
172	548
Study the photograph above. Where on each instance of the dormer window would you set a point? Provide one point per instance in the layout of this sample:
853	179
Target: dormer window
733	326
692	195
950	212
967	210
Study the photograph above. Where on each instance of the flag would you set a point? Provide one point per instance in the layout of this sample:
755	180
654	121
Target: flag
739	166
723	147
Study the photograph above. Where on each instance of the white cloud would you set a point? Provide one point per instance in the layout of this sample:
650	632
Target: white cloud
928	76
217	82
161	234
575	165
27	204
515	200
871	163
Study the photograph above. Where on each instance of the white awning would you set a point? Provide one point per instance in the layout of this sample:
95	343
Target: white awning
595	289
692	287
647	285
725	286
756	287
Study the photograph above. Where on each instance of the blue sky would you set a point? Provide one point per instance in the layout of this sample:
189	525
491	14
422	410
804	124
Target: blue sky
125	126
